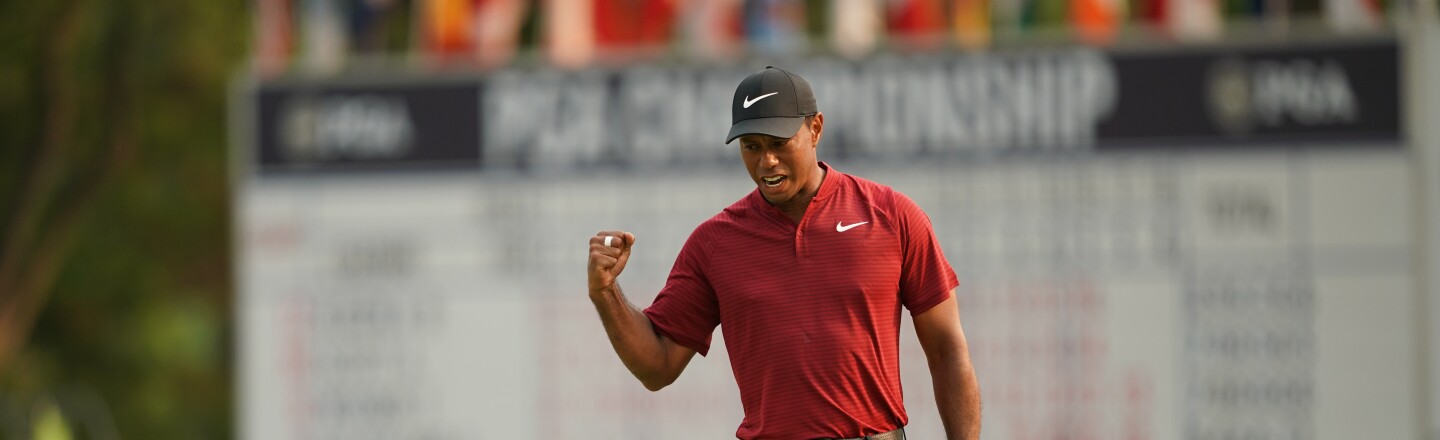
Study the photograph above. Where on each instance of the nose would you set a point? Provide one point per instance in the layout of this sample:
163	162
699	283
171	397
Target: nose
769	159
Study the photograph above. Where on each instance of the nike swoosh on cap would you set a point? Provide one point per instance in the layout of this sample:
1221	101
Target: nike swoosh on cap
748	101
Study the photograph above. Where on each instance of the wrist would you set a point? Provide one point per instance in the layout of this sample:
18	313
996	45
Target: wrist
602	292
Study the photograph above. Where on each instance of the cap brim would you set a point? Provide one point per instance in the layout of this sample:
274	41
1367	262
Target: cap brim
781	127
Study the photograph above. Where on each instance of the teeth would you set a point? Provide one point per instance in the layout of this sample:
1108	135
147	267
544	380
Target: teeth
772	179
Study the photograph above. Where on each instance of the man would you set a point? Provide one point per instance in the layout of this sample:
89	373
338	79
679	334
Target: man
808	274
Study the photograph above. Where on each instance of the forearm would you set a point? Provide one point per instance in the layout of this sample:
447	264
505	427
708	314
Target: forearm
641	350
957	394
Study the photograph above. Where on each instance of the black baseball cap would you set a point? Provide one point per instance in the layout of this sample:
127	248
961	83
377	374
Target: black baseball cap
773	101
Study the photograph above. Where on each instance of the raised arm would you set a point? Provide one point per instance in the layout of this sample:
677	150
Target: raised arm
651	357
957	392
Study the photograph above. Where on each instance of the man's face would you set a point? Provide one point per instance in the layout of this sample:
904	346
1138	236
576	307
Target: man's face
783	167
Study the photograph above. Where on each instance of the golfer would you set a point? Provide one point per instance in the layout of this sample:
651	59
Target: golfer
808	273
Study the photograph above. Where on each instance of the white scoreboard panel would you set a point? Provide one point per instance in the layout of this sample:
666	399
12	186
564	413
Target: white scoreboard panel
1205	292
1232	296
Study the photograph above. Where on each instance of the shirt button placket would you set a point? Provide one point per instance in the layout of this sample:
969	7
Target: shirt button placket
800	242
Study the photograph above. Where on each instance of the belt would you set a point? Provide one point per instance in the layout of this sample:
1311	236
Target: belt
897	434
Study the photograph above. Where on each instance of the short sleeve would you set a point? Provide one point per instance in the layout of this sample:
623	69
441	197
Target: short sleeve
686	309
926	277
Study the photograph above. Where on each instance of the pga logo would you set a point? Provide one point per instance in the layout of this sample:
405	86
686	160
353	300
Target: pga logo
346	127
1307	92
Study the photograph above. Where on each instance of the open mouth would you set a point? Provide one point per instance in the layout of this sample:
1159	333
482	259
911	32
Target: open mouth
773	182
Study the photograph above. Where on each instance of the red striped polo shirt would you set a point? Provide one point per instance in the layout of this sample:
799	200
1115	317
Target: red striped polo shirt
811	310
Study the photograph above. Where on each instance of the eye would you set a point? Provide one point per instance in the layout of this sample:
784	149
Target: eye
749	147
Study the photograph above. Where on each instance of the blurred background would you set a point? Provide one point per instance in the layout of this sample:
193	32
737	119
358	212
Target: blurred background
310	219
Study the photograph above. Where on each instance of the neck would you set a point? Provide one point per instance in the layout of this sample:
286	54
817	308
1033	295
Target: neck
795	207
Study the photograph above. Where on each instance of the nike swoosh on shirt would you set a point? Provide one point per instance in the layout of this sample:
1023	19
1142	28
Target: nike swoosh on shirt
749	101
842	228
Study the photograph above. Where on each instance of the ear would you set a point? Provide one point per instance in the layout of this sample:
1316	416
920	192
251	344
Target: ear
817	127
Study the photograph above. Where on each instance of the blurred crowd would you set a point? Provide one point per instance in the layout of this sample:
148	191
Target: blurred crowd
329	35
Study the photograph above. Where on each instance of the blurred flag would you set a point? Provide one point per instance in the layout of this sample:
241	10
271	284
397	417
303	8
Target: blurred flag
1194	19
447	29
775	27
1255	9
713	28
633	27
326	40
367	24
856	26
577	31
1042	15
497	32
1097	21
1151	13
569	36
471	32
273	41
918	23
1007	16
1184	19
383	27
972	23
1353	15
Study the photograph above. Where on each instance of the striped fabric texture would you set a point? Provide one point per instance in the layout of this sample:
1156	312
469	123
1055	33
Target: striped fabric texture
811	311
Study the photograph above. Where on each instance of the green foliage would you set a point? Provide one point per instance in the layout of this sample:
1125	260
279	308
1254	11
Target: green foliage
141	308
50	425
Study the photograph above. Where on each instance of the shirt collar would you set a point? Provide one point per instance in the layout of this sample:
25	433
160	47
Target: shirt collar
828	185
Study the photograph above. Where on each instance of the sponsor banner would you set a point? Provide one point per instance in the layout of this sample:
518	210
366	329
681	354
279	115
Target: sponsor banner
313	126
888	108
1240	97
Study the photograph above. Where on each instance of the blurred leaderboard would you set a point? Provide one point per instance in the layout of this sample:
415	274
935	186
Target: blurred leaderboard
1212	243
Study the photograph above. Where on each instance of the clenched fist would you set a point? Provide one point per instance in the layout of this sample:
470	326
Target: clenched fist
607	260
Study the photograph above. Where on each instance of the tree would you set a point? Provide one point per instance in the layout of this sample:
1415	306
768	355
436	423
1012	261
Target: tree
114	249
